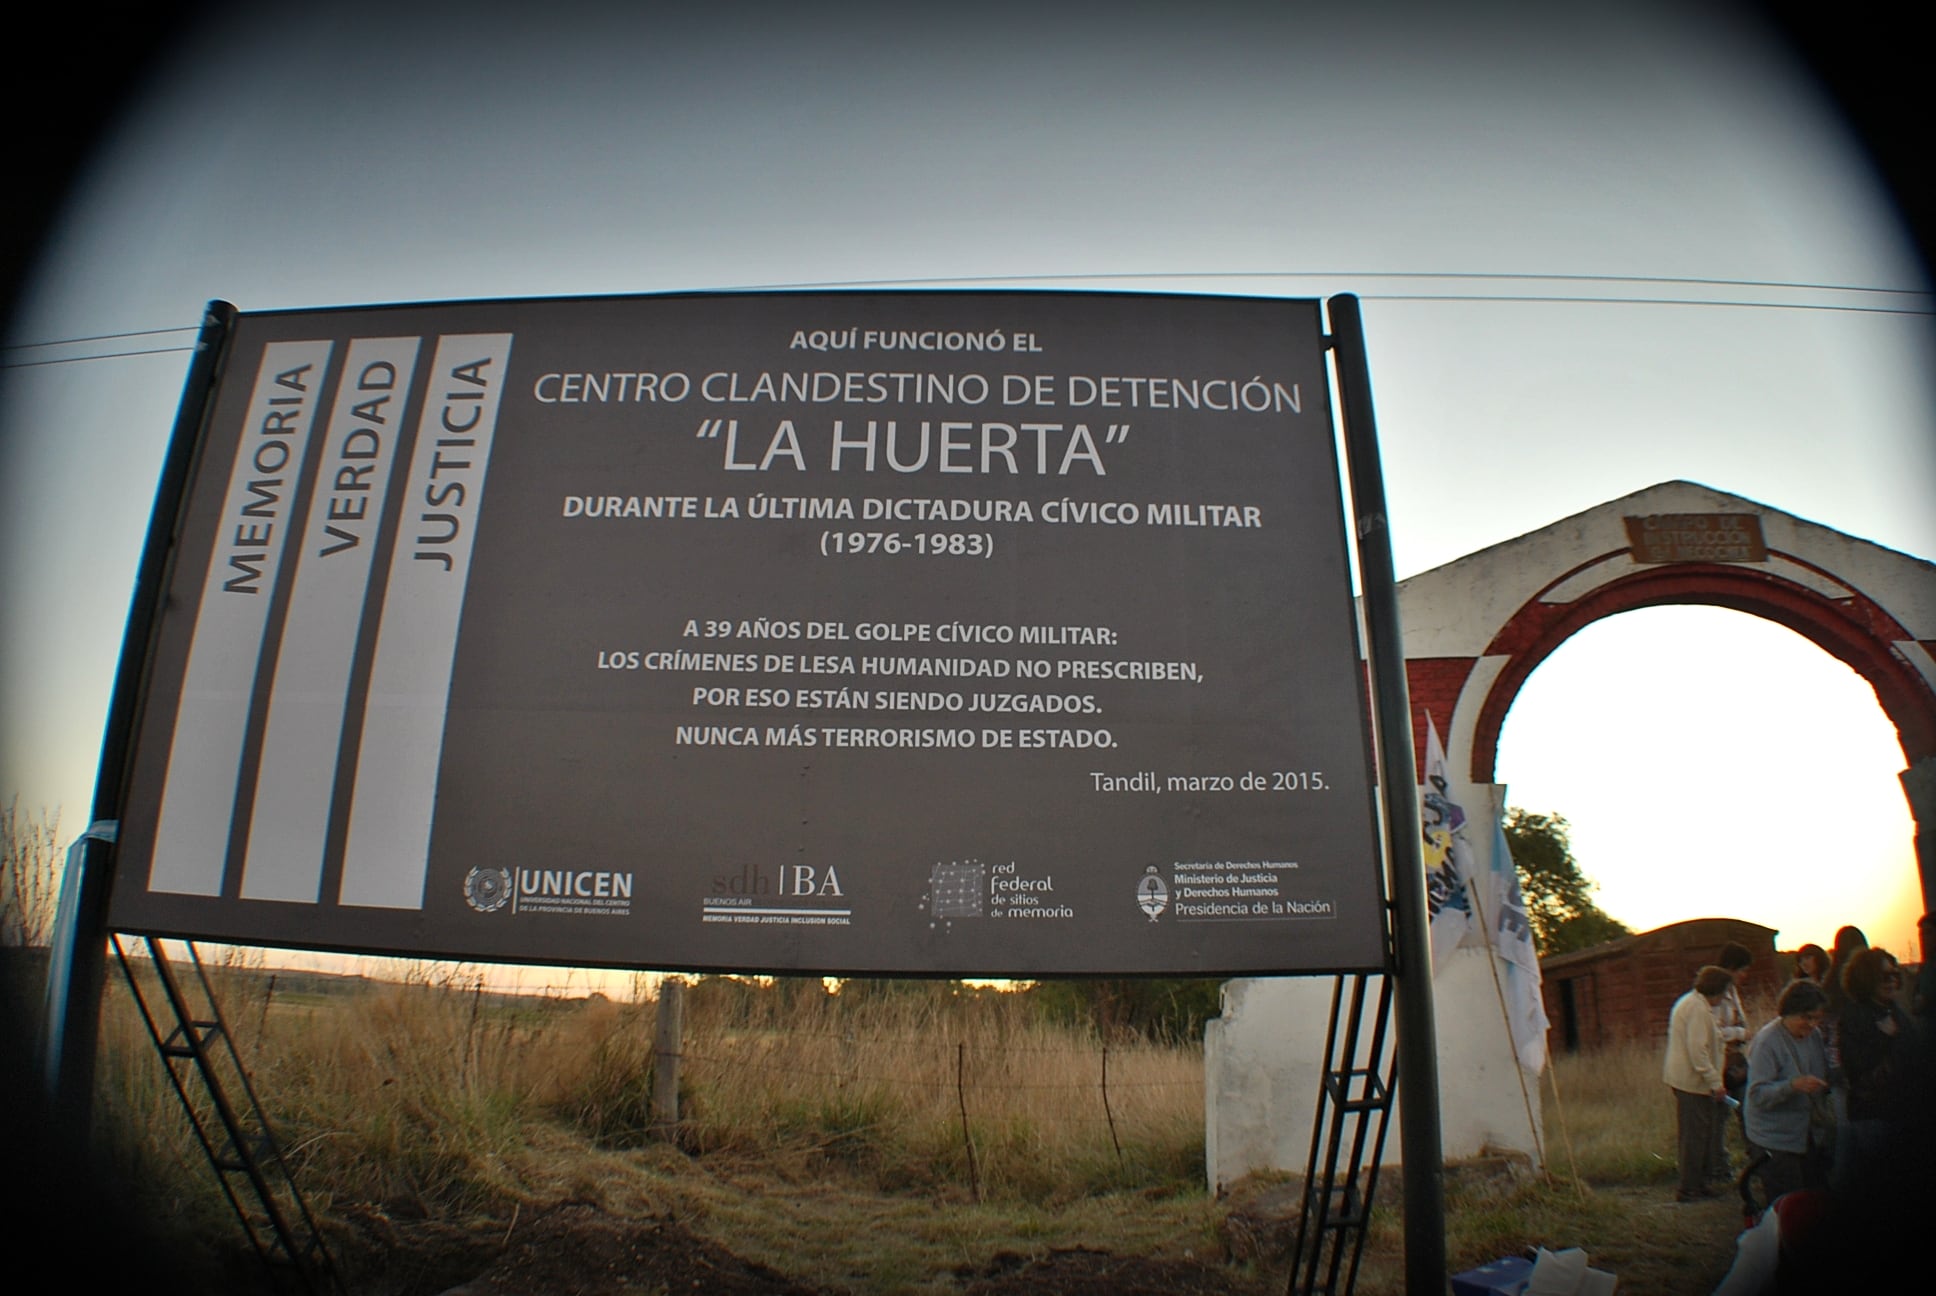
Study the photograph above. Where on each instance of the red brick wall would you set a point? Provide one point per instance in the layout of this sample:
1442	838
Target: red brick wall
1434	684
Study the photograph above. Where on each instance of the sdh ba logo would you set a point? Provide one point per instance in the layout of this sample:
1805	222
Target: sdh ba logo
793	880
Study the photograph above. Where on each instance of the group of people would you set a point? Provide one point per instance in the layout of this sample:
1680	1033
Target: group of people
1827	1091
1815	1087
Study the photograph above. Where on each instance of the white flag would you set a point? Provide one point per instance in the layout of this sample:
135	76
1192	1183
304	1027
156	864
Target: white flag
1512	940
1448	859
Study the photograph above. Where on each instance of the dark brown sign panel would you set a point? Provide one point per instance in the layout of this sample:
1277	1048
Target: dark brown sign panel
941	633
1696	537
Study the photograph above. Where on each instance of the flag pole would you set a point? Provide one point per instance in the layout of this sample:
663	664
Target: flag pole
1505	1018
1566	1134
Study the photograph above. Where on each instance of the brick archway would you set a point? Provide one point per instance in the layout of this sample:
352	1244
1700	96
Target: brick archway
1477	628
1854	630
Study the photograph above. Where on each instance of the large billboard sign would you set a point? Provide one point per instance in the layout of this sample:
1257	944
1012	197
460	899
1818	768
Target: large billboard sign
930	633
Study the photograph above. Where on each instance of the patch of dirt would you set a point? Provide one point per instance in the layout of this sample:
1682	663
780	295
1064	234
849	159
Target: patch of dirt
1082	1271
577	1249
1260	1223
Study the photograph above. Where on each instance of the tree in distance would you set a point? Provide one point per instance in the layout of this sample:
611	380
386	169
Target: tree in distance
1559	897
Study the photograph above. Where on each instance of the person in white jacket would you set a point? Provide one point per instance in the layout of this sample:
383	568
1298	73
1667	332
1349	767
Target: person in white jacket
1692	1071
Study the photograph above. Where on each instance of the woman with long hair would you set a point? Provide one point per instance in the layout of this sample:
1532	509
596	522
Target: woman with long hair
1872	1029
1849	941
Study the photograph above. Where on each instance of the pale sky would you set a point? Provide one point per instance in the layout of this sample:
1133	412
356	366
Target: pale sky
332	155
1682	773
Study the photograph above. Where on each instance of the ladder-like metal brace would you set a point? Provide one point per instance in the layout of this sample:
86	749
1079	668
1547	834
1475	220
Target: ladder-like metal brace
209	1078
1354	1107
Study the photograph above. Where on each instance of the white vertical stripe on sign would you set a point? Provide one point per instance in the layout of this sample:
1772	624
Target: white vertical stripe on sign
296	774
212	720
388	848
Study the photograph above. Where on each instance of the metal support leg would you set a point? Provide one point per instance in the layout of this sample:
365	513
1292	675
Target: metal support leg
1354	1106
215	1091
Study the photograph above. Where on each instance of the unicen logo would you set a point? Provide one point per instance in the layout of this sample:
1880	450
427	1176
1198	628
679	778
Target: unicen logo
584	892
487	890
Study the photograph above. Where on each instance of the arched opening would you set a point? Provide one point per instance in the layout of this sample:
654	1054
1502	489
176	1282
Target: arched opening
1715	763
1848	626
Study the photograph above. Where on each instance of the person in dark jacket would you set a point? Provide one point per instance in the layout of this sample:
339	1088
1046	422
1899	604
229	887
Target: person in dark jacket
1871	1027
1731	1019
1849	941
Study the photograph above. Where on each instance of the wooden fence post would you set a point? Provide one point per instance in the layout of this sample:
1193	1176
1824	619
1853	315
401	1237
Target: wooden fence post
961	1098
1106	1109
667	1044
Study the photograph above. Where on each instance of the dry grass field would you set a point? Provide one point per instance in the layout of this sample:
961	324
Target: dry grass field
921	1138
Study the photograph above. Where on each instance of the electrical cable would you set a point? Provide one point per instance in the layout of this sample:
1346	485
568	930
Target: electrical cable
1581	299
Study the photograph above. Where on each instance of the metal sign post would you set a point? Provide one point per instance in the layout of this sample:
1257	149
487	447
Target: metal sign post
77	971
1420	1140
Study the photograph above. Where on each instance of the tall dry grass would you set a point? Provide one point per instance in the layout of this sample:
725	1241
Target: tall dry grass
30	866
143	1140
438	1098
819	1134
936	1086
1609	1117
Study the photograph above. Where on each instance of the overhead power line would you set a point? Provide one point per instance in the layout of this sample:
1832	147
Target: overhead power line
1517	298
1455	275
106	355
1121	276
98	337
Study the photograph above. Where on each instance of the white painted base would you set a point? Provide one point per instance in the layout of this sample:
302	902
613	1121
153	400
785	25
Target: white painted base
1263	1057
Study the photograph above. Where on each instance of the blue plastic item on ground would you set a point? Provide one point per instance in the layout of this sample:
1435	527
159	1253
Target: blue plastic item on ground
1505	1276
